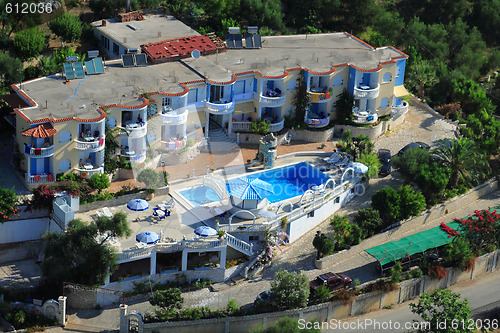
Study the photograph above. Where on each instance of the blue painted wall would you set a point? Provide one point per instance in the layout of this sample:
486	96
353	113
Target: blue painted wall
399	80
352	77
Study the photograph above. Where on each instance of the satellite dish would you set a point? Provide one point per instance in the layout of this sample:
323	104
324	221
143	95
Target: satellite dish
195	54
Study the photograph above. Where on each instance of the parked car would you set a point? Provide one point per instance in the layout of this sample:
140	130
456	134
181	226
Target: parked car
263	298
332	281
384	155
412	145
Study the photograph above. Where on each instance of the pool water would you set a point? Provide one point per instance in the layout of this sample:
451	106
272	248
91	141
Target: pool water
200	195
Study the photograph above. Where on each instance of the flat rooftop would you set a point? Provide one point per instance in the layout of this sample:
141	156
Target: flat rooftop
154	28
118	85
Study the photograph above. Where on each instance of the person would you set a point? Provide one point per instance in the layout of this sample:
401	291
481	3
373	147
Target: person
139	120
81	163
89	160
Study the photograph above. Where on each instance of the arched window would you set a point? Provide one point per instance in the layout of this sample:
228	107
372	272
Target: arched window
64	136
64	165
384	102
338	81
387	77
110	121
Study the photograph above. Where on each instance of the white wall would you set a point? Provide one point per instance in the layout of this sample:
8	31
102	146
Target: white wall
23	230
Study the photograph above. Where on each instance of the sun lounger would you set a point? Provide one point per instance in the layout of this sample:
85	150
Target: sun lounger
342	163
99	213
107	212
169	204
334	158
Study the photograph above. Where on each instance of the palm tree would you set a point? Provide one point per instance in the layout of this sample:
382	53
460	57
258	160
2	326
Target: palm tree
372	162
468	165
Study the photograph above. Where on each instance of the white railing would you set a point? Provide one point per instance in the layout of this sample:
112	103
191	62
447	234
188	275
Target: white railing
243	227
87	173
366	93
176	117
276	127
272	101
39	152
367	117
317	122
38	179
136	132
219	107
241	126
239	245
135	254
90	145
216	184
242	98
400	109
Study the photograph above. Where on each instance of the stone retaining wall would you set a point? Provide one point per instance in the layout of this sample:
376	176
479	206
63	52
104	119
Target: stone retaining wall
372	132
313	136
254	138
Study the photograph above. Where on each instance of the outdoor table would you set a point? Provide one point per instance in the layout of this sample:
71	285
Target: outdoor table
132	124
160	213
363	87
130	152
89	138
88	166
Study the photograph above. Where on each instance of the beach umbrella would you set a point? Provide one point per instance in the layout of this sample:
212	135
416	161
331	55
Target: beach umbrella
148	237
137	204
205	231
267	214
359	167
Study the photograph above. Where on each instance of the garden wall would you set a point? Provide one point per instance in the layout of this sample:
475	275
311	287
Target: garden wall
254	138
361	304
408	225
312	136
372	132
23	230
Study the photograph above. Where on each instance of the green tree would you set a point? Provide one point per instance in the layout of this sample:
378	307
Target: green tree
29	43
471	96
369	220
323	244
99	182
289	290
262	13
77	256
421	75
116	226
372	162
66	26
346	234
300	100
410	163
442	306
8	204
167	300
432	180
458	253
107	8
260	127
467	165
344	108
289	325
11	69
387	202
17	19
149	177
411	203
484	129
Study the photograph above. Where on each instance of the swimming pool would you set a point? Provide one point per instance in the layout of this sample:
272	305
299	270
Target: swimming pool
200	195
292	180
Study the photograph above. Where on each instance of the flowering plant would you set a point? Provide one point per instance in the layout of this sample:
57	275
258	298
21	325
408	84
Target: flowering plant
482	230
271	241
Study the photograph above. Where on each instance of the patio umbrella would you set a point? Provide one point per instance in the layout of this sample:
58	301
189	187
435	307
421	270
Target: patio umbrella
205	231
359	167
148	237
267	214
137	204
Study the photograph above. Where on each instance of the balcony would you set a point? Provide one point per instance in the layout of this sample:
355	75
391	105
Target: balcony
400	109
132	156
364	91
219	107
90	144
90	170
173	145
136	130
272	101
318	96
317	122
39	179
365	117
177	117
39	152
244	126
244	98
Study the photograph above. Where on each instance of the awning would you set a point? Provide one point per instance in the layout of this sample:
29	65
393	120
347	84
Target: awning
248	188
196	118
41	131
400	91
244	108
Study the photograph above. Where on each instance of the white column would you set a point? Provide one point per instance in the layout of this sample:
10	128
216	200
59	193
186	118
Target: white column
223	258
207	124
184	260
152	268
62	310
123	318
230	124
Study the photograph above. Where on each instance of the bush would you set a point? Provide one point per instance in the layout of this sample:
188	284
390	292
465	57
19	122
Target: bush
149	177
8	202
411	202
346	234
396	273
323	244
398	205
369	220
66	26
416	273
372	162
260	127
29	43
99	182
289	290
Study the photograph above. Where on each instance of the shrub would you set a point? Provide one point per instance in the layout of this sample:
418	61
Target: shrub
396	273
372	162
411	202
149	177
260	127
386	201
66	26
323	244
99	182
29	43
289	290
322	294
346	234
8	201
416	273
369	220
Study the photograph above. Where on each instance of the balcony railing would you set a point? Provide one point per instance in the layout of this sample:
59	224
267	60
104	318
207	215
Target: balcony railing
365	117
243	98
39	152
177	117
400	109
138	158
272	101
87	172
320	97
366	91
38	179
219	107
318	122
94	145
173	145
244	126
135	130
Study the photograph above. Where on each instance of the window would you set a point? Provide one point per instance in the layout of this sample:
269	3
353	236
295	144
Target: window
116	48
387	77
166	101
64	165
64	136
310	214
384	102
397	71
336	200
105	42
338	81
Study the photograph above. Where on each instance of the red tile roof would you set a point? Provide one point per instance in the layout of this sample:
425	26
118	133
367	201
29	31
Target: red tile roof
41	131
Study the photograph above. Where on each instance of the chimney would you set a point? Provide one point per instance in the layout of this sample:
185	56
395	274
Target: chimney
103	23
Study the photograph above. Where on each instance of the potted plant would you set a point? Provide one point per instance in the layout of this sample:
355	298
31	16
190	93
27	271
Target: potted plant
150	194
221	233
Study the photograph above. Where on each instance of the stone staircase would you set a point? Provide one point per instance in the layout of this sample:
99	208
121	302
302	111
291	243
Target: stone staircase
219	142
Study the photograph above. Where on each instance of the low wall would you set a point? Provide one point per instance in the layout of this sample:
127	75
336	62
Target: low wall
20	251
372	132
361	304
23	230
312	136
121	200
254	138
408	225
